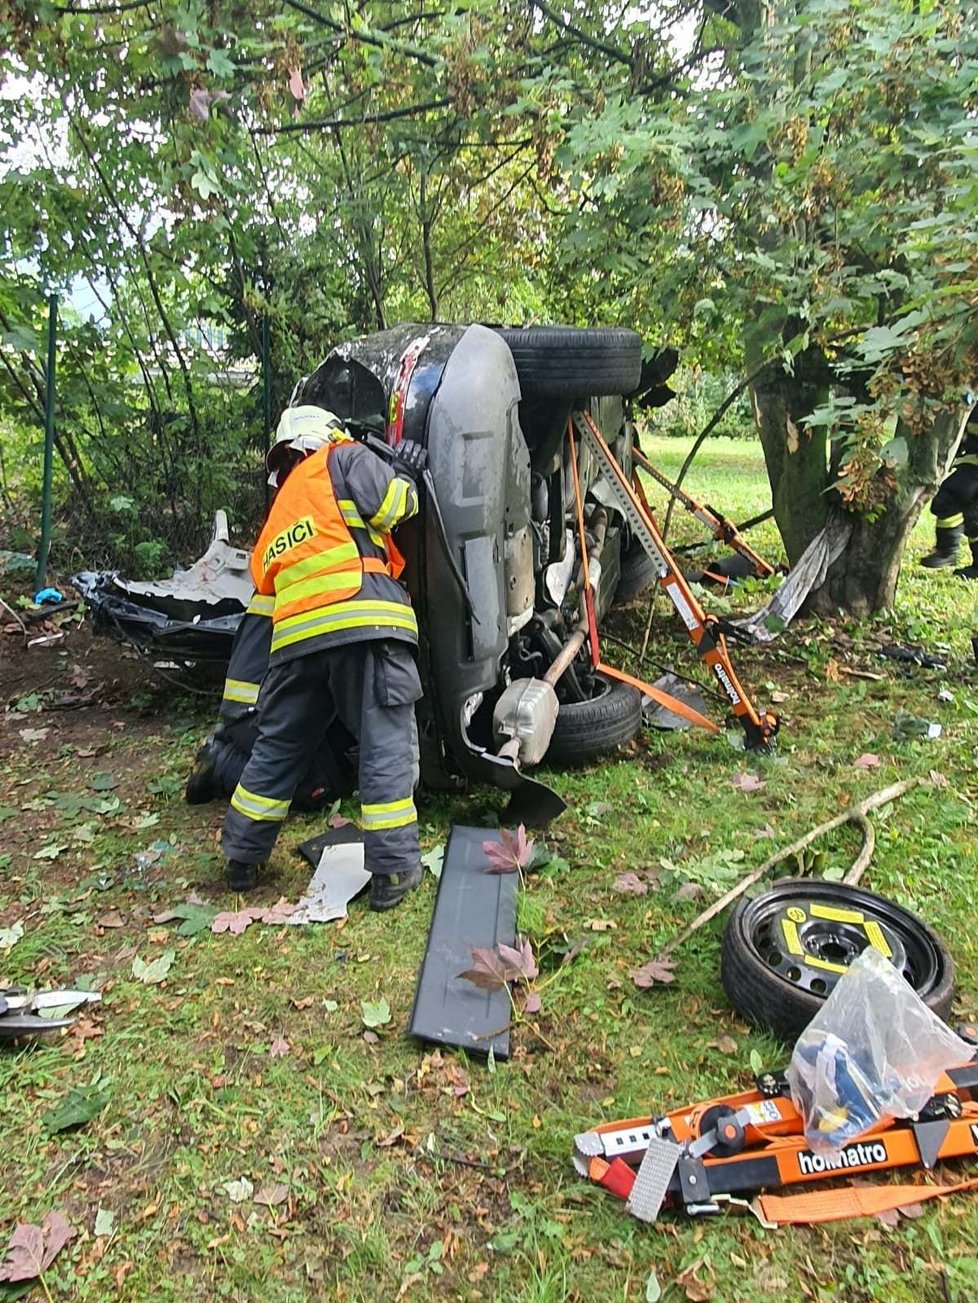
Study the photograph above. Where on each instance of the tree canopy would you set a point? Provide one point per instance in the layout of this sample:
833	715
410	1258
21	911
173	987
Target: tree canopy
786	191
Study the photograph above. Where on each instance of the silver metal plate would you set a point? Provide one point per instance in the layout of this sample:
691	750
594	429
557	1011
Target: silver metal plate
652	1179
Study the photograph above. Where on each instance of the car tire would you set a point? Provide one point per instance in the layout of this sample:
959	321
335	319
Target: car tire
777	1004
637	572
564	362
588	729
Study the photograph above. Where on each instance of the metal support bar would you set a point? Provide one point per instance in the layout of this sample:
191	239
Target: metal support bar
44	545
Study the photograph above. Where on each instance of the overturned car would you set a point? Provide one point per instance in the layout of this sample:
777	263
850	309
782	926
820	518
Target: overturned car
494	564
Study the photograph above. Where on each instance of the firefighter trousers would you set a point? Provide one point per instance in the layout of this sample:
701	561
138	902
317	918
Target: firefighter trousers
372	686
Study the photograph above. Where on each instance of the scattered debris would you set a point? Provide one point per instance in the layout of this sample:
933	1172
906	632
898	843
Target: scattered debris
25	1013
337	858
914	656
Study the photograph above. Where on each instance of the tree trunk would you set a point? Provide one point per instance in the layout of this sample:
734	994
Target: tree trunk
796	458
864	578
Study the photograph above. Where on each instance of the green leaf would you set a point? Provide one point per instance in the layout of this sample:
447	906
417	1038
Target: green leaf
21	338
204	184
375	1013
653	1290
154	972
219	64
7	812
9	936
104	782
104	1222
79	1106
756	1063
51	851
433	860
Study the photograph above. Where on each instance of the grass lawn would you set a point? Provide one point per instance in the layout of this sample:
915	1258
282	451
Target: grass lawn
387	1170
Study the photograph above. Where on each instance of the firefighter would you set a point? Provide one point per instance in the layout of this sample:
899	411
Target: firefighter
343	633
220	762
955	505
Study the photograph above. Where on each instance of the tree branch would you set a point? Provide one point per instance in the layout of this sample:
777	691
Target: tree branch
576	32
332	124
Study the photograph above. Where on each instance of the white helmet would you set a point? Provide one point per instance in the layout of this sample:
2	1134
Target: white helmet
302	429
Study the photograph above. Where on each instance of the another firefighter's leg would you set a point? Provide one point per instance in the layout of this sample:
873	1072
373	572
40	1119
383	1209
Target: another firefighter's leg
295	698
949	523
971	526
388	682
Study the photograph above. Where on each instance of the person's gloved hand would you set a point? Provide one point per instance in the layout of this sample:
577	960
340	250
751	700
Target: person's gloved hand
409	460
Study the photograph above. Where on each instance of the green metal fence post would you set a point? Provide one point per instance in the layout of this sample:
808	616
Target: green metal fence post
45	544
266	390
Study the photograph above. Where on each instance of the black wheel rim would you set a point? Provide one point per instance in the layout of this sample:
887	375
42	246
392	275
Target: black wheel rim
809	939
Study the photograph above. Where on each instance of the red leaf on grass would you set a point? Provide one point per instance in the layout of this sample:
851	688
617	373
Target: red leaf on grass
533	1003
868	761
493	968
520	959
513	851
31	1249
279	1048
653	971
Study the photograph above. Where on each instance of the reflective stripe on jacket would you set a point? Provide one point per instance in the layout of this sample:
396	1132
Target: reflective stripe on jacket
308	559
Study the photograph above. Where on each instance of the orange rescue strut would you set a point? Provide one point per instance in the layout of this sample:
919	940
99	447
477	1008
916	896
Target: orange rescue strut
759	727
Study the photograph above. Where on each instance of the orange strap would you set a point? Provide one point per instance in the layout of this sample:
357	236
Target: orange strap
849	1201
375	565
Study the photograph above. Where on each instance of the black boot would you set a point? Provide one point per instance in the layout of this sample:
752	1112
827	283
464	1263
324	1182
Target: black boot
970	572
201	786
945	551
389	889
241	876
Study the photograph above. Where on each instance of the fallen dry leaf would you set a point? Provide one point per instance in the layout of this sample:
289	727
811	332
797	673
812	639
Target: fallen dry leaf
31	1249
279	1048
832	672
270	1196
653	971
697	1291
601	925
725	1044
112	919
868	761
747	782
630	884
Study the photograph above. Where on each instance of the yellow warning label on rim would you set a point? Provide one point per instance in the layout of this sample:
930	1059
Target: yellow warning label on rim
876	938
829	967
796	914
791	938
837	915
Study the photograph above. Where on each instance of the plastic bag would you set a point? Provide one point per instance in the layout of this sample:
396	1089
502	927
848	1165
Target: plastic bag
874	1050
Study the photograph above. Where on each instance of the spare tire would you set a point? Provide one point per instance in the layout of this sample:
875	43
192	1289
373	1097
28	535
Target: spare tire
784	951
564	362
588	729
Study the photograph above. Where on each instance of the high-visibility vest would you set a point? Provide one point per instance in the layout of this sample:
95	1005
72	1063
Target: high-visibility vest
306	556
